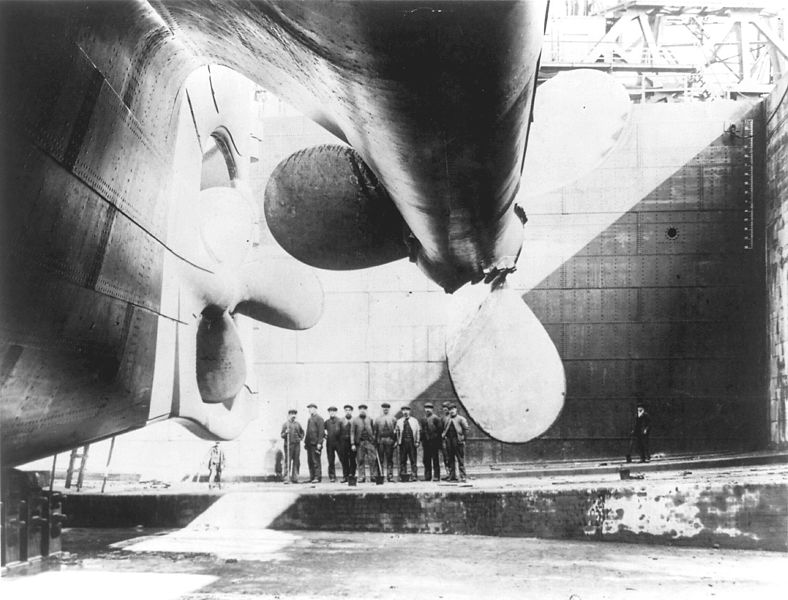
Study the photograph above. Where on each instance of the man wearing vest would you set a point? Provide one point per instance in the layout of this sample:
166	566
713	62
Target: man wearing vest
454	432
431	430
333	427
408	432
313	442
347	456
384	427
363	441
292	434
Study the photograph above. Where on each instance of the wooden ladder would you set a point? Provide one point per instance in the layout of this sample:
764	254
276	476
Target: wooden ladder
75	454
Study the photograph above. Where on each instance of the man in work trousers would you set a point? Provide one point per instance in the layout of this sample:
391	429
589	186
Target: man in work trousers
292	434
384	427
639	434
333	426
455	432
215	466
363	444
408	438
444	449
313	442
347	456
431	429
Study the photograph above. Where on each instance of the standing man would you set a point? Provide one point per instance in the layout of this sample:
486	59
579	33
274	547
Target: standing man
315	434
639	434
384	427
333	427
347	456
408	438
431	430
444	448
363	444
215	466
454	432
292	434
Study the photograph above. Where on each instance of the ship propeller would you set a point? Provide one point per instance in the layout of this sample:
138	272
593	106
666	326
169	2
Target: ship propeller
505	369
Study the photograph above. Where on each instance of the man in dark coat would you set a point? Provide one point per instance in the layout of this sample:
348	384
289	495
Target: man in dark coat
455	431
639	434
347	455
292	434
313	442
431	430
384	427
333	427
363	441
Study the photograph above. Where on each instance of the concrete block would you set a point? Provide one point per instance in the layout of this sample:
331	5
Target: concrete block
329	343
322	383
436	351
346	309
405	381
274	345
401	309
398	344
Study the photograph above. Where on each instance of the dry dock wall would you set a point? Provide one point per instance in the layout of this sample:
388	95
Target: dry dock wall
700	514
776	196
647	273
730	516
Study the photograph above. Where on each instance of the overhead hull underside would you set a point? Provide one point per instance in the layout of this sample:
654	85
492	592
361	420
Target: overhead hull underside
436	106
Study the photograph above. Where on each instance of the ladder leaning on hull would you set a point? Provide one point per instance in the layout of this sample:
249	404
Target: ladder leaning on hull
76	454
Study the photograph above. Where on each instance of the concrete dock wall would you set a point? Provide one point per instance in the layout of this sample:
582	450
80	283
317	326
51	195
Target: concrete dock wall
776	208
730	516
120	511
700	514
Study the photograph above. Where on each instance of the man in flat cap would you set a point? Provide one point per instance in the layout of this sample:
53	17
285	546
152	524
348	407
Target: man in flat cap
333	427
292	434
315	434
431	430
215	466
347	456
364	444
455	431
408	439
384	427
444	444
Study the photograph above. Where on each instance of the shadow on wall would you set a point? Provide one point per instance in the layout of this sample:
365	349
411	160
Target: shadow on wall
663	306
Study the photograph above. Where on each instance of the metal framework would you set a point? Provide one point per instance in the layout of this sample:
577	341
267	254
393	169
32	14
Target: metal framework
681	49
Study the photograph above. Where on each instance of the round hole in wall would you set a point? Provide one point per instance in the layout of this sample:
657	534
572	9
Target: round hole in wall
671	233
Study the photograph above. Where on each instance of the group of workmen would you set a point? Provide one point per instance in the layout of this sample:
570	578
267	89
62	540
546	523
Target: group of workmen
363	442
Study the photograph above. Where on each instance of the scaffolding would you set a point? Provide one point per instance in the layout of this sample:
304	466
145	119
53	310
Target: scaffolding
680	50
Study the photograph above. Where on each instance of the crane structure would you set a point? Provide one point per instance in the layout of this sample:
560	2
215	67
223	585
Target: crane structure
674	51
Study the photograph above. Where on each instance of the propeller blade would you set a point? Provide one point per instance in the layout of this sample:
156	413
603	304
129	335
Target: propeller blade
506	370
578	118
221	368
226	223
326	208
282	293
